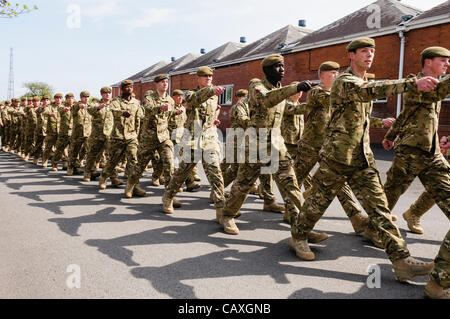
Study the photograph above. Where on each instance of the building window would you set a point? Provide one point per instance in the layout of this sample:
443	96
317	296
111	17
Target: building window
226	98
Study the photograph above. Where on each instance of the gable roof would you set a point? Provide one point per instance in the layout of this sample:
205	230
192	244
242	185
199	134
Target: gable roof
440	10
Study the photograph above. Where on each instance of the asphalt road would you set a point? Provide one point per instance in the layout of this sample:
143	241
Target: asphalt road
54	227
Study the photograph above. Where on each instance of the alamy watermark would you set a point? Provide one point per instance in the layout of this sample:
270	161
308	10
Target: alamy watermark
374	279
73	20
74	279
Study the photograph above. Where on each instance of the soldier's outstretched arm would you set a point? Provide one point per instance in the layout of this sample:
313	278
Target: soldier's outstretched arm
270	98
241	118
195	99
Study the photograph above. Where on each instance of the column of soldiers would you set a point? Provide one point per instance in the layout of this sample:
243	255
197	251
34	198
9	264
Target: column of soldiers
334	136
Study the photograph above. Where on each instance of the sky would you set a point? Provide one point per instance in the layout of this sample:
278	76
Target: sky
76	45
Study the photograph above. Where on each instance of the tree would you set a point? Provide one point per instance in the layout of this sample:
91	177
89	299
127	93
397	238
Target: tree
9	10
38	89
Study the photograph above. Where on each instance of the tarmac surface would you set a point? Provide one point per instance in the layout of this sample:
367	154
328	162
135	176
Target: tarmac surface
59	233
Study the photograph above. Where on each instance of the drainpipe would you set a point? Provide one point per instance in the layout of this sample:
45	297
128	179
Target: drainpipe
400	68
170	85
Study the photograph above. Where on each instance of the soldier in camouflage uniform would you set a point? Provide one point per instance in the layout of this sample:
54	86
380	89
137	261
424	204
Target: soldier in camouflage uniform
6	126
417	154
346	157
39	137
317	108
202	113
240	118
2	126
124	137
80	133
20	114
14	129
101	127
64	133
30	127
155	136
267	99
51	123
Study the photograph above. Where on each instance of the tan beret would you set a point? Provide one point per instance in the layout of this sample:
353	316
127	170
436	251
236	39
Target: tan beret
69	95
85	94
125	83
161	77
14	100
271	60
361	43
36	99
45	97
241	93
58	95
177	92
434	52
7	103
204	70
105	89
23	98
329	66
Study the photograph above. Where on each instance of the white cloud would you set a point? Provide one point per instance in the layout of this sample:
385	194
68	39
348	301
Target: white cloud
148	18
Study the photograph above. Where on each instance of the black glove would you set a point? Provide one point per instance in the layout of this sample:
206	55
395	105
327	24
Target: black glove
305	86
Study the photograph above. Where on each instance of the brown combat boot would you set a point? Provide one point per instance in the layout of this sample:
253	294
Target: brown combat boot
229	225
359	222
155	182
254	190
435	291
55	168
302	249
197	178
150	165
192	186
69	172
413	222
119	169
162	180
167	204
272	207
372	235
115	182
86	176
102	182
408	268
65	165
139	192
44	163
26	158
176	203
219	215
35	161
315	238
129	190
260	191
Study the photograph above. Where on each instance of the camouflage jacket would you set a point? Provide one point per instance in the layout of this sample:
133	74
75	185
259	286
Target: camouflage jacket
31	118
240	114
102	120
81	120
267	104
201	112
50	120
176	123
5	116
65	120
292	126
417	124
155	126
347	141
39	120
12	115
125	128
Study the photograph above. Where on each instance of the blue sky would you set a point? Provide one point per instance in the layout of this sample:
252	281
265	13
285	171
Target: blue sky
118	38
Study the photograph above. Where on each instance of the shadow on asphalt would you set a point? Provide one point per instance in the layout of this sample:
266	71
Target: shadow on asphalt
227	262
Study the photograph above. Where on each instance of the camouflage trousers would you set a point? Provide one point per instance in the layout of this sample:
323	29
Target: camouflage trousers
50	143
423	204
305	161
146	153
5	138
77	150
38	149
117	150
29	141
2	135
441	271
157	172
96	147
230	172
13	136
211	166
432	170
247	175
61	152
366	185
294	152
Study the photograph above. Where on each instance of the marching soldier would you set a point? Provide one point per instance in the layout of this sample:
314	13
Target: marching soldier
64	132
51	127
155	136
6	125
124	137
39	137
346	157
14	125
101	128
202	113
30	127
80	133
417	153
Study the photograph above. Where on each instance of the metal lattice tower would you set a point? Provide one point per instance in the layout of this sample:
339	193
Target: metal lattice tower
11	77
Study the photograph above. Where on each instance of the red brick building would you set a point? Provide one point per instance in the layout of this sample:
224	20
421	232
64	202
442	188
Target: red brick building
401	33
